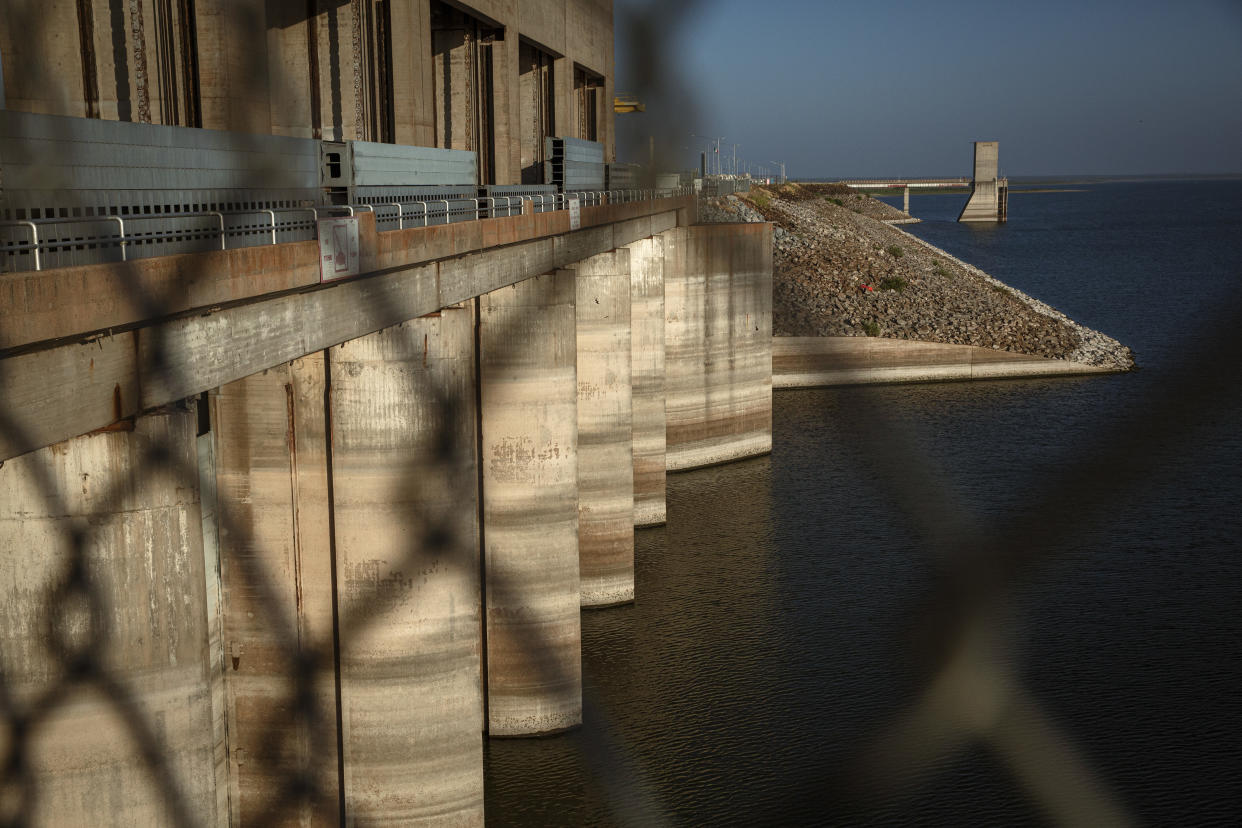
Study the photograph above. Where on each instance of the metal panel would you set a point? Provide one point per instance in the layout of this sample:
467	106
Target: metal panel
575	164
81	159
396	165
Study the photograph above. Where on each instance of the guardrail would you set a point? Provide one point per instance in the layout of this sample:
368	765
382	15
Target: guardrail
43	244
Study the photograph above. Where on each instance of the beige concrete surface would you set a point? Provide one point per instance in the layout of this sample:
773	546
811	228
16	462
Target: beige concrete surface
142	537
647	373
275	568
805	362
529	401
605	430
718	357
406	532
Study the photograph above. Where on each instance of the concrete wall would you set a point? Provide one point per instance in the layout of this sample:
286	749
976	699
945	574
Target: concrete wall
142	560
352	488
807	362
605	432
529	440
647	374
718	351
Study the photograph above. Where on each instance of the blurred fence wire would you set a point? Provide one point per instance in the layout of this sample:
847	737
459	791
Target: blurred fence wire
968	696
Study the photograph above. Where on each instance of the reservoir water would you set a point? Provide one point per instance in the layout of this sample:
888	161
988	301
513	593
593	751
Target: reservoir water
771	639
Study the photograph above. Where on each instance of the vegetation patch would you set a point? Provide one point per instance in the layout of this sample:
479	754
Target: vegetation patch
871	328
894	283
939	270
835	201
895	251
760	198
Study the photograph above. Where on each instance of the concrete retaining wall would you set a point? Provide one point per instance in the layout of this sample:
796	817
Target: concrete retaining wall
804	362
718	343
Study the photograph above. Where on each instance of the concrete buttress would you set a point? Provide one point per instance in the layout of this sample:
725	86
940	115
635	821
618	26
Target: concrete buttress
605	430
718	343
404	483
647	372
275	554
132	498
529	441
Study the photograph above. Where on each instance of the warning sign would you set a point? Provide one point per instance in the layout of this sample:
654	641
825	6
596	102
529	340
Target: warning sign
575	214
338	248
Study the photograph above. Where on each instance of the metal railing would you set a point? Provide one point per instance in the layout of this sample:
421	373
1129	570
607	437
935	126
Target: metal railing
42	244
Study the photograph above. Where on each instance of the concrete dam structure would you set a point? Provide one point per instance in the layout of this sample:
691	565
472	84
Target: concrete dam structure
418	475
337	373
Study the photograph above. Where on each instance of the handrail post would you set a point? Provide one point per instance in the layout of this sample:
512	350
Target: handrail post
447	218
272	213
34	242
121	224
400	215
220	216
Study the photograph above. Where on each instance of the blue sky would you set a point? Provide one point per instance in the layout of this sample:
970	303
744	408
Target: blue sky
889	87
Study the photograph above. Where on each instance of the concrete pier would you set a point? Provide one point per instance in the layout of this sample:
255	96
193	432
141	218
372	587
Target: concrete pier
143	562
718	348
275	568
404	493
529	455
989	192
647	375
605	432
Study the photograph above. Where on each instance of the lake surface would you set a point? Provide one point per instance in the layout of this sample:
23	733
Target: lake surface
771	638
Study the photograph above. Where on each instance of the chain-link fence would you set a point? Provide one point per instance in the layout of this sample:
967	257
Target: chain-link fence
967	696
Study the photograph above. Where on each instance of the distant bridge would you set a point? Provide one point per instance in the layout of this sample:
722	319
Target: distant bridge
989	197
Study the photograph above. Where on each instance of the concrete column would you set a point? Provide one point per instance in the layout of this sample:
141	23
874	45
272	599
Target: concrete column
138	516
718	349
506	105
528	391
413	96
276	571
406	530
232	66
605	431
565	107
905	201
647	373
288	73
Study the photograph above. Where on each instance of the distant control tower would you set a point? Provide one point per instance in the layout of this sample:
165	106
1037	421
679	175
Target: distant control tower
989	196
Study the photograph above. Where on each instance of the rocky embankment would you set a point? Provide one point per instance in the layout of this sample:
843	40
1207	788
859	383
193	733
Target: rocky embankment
841	270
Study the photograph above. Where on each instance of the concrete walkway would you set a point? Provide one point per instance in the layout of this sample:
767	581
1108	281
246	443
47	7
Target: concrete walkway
806	362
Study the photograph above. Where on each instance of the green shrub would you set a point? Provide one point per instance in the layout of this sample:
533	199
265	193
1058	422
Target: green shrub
939	270
835	201
894	283
895	251
871	328
760	198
